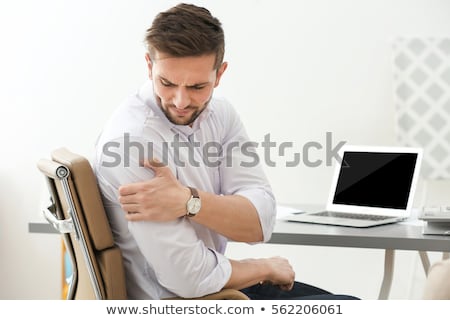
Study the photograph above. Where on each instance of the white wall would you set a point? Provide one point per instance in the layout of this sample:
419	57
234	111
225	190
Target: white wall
297	69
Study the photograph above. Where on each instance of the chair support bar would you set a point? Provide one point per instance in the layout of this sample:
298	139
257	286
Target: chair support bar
62	226
79	235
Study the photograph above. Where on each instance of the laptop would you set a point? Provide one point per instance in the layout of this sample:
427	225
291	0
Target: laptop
371	186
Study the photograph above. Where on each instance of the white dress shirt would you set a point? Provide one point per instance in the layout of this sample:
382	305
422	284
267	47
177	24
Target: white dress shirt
180	257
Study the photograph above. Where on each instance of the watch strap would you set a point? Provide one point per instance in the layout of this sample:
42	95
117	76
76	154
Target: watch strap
194	194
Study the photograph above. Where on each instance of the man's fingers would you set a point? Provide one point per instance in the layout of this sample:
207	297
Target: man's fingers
128	199
135	216
157	166
286	287
129	189
130	208
153	163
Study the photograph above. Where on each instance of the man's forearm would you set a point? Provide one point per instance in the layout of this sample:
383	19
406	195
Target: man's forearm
247	273
276	271
233	216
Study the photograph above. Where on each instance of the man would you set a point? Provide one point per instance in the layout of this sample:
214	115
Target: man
174	169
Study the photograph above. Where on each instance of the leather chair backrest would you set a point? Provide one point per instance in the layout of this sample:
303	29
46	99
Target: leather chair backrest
98	261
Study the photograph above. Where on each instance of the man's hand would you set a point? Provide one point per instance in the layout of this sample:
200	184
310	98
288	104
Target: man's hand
276	271
163	198
282	275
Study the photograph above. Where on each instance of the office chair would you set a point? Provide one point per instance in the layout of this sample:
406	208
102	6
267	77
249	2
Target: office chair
76	211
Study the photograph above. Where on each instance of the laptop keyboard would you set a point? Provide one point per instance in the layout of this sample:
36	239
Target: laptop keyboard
345	215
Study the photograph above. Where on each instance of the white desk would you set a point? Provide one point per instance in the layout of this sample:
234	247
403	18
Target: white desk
399	236
391	237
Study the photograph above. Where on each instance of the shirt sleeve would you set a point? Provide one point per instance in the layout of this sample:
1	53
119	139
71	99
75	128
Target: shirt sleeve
181	261
241	172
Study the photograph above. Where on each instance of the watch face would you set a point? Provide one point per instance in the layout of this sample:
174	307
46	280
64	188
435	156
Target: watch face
194	205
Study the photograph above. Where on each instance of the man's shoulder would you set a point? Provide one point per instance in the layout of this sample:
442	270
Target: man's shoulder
221	102
220	107
129	117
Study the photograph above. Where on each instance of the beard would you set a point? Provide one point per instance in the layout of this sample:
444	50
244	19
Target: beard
181	120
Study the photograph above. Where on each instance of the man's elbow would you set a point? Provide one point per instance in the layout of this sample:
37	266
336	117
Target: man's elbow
193	292
258	235
189	287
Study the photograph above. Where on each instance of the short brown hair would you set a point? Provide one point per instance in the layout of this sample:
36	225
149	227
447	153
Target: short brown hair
186	30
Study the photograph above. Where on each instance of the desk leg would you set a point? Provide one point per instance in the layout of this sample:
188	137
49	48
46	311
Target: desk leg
425	261
388	274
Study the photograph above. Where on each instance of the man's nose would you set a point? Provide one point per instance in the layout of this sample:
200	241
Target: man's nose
181	99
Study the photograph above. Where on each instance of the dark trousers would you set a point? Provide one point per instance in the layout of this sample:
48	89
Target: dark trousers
300	291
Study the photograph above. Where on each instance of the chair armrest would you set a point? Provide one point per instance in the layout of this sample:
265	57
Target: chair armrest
224	294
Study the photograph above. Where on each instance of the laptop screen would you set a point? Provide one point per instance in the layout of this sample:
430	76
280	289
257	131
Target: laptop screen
375	179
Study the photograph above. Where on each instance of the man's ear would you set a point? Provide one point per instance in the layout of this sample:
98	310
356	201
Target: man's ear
220	72
149	64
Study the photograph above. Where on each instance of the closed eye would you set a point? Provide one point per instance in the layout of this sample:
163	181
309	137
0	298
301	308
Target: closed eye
166	83
197	87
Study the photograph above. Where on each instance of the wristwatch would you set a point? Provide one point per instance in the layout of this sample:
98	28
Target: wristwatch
194	204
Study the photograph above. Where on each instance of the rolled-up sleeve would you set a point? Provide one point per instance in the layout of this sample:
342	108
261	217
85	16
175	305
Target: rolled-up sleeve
264	203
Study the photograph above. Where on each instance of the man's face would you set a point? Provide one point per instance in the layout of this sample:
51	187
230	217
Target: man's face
183	86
